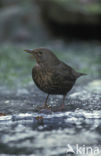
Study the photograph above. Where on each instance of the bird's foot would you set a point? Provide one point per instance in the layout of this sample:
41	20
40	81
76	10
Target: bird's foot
44	109
47	107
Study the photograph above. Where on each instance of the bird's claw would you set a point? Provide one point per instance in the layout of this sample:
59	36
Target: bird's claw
47	107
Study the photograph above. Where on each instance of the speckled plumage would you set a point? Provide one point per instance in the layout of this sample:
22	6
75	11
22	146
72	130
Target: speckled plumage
52	75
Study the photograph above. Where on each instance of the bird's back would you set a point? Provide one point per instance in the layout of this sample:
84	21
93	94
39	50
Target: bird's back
67	71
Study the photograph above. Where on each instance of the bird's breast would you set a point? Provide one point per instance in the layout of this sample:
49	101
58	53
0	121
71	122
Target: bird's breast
41	77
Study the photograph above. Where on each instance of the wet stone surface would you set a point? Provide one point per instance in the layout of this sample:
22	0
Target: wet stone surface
27	100
25	131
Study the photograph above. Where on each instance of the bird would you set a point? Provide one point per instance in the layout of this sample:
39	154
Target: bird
51	75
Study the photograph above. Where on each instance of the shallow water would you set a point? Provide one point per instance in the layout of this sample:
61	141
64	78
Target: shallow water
50	135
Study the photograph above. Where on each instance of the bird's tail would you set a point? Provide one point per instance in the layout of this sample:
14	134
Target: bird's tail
81	74
77	74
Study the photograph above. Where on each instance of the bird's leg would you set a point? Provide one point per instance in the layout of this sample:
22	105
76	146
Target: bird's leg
45	104
62	106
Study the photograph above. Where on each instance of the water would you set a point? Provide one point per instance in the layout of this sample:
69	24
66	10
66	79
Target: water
50	135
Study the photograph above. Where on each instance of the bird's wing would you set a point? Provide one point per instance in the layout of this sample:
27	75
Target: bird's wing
65	72
62	75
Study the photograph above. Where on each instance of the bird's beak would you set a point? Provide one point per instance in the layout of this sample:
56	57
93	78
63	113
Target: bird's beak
29	50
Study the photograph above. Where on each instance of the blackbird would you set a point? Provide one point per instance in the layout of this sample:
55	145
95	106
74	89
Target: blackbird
52	75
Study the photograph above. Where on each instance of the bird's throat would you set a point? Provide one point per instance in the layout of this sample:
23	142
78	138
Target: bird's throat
37	65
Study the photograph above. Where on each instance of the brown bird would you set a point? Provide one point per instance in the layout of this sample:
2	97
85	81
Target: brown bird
52	75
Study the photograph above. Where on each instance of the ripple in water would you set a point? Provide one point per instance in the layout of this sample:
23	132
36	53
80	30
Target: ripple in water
43	134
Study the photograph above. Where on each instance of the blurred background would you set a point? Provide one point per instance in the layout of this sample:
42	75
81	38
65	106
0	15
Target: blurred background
71	28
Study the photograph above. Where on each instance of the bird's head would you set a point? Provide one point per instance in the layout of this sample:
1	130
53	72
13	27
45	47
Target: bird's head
43	56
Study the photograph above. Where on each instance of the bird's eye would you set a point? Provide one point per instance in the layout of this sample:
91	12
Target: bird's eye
40	53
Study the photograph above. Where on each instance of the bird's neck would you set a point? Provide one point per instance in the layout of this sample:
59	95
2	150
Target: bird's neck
48	63
40	65
37	65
